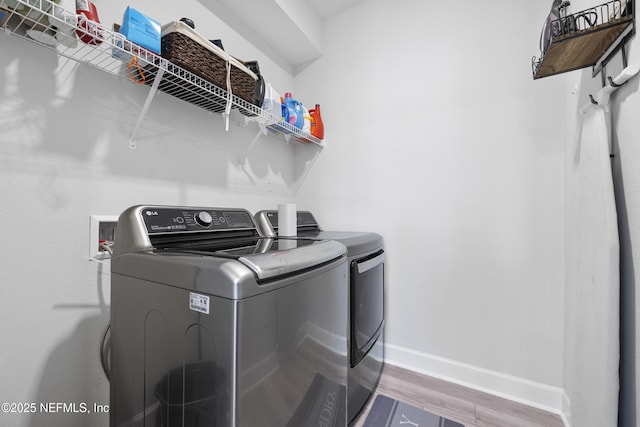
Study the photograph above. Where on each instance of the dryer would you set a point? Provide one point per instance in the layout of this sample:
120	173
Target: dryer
365	251
215	325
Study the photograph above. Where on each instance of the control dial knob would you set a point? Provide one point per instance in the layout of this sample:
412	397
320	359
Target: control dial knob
204	218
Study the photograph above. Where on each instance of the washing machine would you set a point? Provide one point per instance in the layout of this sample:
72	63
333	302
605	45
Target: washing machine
213	324
365	251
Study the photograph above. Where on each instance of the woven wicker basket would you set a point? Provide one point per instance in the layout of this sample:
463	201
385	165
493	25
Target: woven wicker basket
190	55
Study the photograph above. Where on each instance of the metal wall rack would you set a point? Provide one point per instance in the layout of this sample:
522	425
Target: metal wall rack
586	39
46	23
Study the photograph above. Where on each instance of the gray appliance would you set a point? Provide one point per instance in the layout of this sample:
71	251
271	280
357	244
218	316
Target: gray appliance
365	253
214	325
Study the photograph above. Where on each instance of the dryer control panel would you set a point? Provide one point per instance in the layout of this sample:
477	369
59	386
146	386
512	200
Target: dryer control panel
163	220
303	219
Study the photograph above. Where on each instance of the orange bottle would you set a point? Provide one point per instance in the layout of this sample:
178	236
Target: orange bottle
317	127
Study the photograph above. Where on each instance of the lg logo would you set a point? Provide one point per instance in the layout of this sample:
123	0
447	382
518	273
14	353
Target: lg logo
152	213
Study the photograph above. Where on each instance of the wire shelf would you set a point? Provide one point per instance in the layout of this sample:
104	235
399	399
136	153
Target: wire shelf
72	36
584	38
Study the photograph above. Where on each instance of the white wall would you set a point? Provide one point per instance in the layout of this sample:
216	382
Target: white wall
64	155
439	139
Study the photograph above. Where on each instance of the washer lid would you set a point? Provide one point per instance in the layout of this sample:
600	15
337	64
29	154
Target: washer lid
269	258
292	257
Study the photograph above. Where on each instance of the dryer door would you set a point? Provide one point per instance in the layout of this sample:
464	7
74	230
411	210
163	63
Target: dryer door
367	304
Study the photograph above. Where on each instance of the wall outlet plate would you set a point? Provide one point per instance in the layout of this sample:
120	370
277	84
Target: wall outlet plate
101	228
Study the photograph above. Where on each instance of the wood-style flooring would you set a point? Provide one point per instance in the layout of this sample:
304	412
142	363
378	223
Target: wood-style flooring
469	407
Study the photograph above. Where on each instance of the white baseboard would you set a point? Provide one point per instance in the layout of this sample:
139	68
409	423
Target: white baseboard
538	395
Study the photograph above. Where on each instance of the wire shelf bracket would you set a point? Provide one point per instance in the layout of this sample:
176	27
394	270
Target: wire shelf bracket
145	107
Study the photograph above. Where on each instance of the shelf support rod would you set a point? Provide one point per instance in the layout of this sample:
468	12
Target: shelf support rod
145	107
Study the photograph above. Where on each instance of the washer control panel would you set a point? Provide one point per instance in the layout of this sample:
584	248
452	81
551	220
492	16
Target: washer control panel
163	220
303	219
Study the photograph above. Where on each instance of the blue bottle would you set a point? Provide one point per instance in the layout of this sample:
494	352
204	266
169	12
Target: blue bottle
295	116
285	110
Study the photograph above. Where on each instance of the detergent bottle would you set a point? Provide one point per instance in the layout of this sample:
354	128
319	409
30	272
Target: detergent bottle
317	127
306	127
285	110
294	109
88	23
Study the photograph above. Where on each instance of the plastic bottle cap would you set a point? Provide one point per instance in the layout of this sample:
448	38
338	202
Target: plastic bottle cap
287	95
